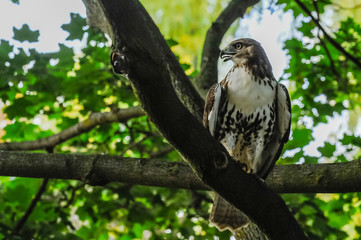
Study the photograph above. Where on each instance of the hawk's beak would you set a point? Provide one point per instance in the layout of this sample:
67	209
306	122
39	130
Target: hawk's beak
226	54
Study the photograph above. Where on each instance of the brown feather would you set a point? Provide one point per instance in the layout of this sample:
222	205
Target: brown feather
249	113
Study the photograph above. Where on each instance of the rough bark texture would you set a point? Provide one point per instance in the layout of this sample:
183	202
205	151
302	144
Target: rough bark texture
141	41
152	68
315	178
209	70
95	119
95	17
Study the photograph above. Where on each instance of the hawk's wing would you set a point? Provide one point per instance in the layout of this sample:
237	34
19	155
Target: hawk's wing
281	133
284	112
215	100
223	215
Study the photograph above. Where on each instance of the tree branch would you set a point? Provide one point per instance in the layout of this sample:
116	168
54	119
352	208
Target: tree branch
151	66
36	199
30	209
102	169
328	37
95	119
69	201
332	63
134	144
209	70
181	83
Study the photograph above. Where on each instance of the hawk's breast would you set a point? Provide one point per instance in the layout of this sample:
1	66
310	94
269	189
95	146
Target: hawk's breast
247	118
248	93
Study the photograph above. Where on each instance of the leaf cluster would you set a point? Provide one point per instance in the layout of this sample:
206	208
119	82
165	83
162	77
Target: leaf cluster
324	84
45	93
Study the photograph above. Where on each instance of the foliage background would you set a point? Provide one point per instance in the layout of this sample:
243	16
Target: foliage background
45	93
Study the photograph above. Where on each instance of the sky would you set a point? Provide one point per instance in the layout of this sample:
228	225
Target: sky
44	15
271	29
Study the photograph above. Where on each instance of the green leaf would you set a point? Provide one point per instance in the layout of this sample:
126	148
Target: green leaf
138	230
75	27
19	108
171	42
300	138
25	34
327	150
5	49
311	160
19	61
348	139
185	66
20	131
65	56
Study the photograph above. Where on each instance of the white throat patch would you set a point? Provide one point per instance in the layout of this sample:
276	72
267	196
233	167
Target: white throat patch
247	93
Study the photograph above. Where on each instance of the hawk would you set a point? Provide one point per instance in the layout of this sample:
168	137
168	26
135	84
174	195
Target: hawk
249	112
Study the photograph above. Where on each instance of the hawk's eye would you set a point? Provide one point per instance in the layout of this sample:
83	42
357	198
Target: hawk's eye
238	46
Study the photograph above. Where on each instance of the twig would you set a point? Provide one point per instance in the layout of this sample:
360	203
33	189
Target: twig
333	68
332	63
36	199
162	152
134	144
328	37
74	190
30	209
208	73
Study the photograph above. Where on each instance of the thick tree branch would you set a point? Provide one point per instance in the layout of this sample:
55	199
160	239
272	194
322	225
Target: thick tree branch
102	169
209	70
149	65
95	119
184	88
328	37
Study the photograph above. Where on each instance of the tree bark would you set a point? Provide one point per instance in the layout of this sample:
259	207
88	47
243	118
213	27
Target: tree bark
151	66
130	39
306	178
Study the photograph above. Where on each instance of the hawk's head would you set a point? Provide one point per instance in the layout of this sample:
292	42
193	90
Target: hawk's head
249	53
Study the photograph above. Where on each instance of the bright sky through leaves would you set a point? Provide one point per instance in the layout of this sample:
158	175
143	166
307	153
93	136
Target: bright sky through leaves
44	15
270	29
45	94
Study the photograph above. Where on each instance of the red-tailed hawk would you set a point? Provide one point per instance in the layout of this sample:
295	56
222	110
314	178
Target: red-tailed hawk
249	112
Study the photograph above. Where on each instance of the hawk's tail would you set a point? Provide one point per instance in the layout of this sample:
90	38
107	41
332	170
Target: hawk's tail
225	216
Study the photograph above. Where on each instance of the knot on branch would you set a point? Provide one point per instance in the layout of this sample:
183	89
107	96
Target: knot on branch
119	62
220	161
